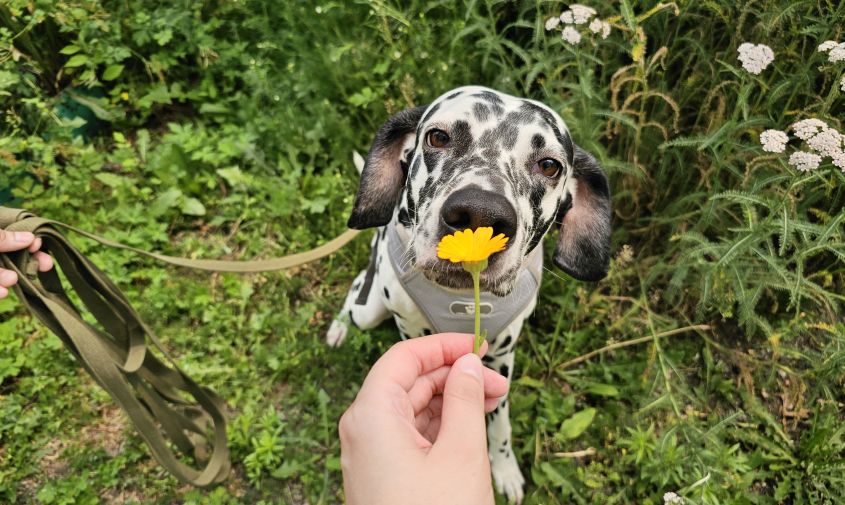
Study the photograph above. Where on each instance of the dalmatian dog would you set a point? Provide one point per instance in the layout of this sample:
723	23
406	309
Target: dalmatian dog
474	157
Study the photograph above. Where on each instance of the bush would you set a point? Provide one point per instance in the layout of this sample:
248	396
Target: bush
226	130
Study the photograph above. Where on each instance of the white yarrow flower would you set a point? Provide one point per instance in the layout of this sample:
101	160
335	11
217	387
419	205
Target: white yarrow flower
567	17
552	23
774	141
581	13
671	498
827	142
839	160
595	25
805	161
806	128
755	58
571	35
827	45
837	53
842	83
605	30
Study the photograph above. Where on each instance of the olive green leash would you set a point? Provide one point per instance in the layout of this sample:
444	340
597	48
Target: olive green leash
161	401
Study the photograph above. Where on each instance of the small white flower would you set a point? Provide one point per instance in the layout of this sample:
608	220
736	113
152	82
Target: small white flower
581	13
827	45
806	128
671	498
571	35
837	53
774	141
827	142
552	23
839	160
567	17
605	29
805	161
842	83
595	25
755	58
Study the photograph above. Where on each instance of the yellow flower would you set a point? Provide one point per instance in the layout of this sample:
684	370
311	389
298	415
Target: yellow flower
124	96
465	246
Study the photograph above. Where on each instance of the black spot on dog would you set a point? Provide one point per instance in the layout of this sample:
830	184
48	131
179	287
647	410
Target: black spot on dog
430	113
454	95
506	342
404	218
461	138
501	451
386	293
487	360
504	370
426	331
537	141
481	112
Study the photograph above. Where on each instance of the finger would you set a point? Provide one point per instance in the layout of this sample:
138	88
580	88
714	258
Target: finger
7	278
45	261
15	240
431	384
35	245
403	363
3	292
462	420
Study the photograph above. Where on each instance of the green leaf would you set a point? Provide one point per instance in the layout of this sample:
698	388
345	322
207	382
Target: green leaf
166	200
112	72
77	61
576	424
602	389
109	179
193	207
70	49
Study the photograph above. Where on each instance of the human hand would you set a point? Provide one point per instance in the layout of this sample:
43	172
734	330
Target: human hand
15	241
416	433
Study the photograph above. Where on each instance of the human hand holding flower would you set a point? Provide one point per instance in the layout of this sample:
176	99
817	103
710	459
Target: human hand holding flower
415	433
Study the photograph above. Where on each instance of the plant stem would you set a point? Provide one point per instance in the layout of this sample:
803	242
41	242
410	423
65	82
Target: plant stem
476	288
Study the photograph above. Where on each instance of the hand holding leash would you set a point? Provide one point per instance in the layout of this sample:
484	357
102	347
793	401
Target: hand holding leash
16	241
415	434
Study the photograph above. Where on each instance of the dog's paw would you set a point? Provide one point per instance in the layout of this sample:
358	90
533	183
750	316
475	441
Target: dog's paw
508	478
337	333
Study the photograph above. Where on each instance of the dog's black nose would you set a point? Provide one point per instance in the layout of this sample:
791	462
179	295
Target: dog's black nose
472	207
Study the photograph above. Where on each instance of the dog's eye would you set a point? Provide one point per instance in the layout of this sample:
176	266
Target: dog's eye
438	138
548	167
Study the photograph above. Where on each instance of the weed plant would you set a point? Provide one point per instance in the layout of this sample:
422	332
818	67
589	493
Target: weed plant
226	129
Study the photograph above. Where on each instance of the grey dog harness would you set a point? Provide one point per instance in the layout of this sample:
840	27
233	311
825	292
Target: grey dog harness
454	310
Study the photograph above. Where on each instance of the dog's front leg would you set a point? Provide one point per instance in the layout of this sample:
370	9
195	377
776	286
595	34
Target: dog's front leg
503	464
363	306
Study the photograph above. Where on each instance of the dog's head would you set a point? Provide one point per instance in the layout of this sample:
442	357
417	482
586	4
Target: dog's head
476	157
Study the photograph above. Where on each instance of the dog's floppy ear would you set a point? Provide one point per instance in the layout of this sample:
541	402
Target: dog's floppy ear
583	247
384	171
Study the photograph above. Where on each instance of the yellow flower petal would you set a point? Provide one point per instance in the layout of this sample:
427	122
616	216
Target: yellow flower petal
469	245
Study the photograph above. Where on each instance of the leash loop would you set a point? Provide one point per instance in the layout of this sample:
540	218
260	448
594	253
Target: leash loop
162	402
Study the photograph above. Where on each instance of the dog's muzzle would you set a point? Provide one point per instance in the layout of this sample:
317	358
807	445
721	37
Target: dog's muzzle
472	207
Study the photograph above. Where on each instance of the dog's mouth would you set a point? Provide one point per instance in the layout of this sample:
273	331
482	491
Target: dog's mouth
453	276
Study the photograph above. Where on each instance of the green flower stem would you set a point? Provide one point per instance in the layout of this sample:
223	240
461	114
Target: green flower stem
475	268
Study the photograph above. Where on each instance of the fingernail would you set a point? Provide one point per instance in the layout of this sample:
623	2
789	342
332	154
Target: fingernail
470	364
23	237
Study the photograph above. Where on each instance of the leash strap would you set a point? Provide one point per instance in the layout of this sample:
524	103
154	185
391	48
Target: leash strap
163	403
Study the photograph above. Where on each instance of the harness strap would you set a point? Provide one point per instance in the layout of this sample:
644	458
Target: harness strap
162	402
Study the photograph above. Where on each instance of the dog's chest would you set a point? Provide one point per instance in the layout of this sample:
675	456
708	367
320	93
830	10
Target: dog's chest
421	307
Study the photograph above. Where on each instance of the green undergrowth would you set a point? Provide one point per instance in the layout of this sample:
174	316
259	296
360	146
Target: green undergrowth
226	130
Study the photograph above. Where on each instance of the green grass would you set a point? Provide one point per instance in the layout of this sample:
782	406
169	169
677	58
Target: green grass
226	130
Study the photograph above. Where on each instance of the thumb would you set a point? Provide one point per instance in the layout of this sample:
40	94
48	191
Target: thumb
462	424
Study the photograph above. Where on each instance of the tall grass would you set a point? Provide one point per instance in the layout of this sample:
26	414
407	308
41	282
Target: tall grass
227	129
